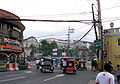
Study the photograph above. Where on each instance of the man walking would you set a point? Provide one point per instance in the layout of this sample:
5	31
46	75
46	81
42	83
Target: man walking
105	77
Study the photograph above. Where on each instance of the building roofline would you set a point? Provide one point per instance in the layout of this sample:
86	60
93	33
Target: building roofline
31	37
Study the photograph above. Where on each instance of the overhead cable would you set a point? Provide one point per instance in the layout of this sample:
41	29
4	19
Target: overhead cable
46	20
83	35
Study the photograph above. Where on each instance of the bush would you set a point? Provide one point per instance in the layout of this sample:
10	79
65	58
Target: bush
2	64
22	66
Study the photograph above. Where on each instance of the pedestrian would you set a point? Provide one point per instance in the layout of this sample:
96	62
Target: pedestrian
64	65
110	65
105	77
93	63
37	62
118	73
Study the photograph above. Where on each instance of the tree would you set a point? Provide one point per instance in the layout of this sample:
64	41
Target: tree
47	47
92	50
53	45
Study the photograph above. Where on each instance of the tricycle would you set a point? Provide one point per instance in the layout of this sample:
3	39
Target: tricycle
47	66
70	67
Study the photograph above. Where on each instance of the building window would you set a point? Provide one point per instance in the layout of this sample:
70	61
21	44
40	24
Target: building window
116	30
17	29
4	26
118	41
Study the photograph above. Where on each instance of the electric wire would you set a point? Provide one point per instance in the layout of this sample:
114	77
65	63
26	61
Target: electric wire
83	35
38	20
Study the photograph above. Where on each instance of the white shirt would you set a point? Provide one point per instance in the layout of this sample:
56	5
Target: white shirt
104	77
64	63
37	61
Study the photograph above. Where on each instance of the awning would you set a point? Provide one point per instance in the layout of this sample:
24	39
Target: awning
11	48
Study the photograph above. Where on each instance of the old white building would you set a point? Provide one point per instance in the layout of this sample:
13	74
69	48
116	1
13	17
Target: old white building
26	44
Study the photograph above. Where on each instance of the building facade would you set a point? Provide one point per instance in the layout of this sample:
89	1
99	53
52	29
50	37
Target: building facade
11	36
112	45
27	46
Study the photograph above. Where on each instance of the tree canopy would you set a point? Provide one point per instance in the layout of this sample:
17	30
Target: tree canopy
47	47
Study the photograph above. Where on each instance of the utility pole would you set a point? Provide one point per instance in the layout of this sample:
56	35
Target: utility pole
68	40
100	30
69	31
94	23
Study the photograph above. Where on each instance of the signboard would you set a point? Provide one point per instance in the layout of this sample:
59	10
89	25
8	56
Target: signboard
104	53
64	54
55	53
98	43
55	49
12	41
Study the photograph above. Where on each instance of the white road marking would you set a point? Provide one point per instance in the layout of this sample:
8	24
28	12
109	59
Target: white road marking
60	75
18	74
28	71
12	79
14	75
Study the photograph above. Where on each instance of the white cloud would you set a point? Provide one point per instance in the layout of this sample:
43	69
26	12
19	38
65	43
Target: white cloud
59	9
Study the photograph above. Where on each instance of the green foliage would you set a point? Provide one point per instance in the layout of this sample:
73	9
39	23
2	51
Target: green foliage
46	47
72	52
2	64
77	51
22	63
34	50
92	50
60	50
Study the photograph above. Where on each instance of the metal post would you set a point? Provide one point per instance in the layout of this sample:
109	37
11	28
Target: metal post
100	30
68	41
69	31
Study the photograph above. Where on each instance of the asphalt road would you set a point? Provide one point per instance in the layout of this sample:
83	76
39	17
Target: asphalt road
36	77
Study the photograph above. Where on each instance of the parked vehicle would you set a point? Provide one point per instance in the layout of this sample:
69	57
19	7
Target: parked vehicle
47	66
70	68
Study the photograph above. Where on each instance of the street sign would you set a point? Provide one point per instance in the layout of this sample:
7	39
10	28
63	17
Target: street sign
98	43
104	53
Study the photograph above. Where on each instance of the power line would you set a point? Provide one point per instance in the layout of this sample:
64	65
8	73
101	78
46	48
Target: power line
110	8
83	35
111	19
34	20
70	14
50	34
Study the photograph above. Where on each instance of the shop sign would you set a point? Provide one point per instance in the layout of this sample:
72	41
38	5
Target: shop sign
12	41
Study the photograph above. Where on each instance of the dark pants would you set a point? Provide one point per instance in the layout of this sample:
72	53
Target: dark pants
37	66
118	78
64	69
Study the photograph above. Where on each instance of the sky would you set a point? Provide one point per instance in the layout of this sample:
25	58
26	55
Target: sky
62	10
